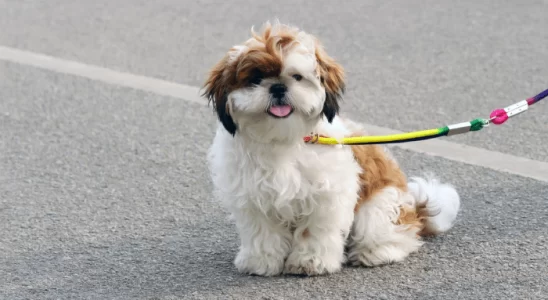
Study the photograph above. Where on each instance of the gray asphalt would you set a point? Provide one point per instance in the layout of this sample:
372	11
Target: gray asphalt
104	192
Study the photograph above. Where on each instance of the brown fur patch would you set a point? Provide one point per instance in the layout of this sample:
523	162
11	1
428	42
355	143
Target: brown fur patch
379	172
416	217
306	233
412	217
331	73
332	77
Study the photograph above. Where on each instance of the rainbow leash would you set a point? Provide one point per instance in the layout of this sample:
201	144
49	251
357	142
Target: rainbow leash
497	117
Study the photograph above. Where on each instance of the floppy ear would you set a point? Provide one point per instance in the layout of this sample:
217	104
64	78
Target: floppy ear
332	77
216	90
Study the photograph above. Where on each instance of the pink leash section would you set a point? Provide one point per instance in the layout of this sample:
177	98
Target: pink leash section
500	115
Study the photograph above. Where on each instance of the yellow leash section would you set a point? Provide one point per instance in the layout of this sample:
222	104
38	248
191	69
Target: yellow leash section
473	125
363	140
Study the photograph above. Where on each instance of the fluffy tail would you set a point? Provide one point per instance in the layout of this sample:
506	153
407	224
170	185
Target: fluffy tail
438	204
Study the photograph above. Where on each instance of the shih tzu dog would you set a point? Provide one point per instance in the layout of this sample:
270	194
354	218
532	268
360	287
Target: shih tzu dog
307	208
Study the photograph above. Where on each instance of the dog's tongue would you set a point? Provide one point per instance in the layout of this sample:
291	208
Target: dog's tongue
280	110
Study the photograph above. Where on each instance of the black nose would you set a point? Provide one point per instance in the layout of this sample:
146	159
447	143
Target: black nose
278	90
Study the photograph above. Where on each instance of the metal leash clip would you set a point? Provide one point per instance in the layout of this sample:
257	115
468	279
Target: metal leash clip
499	116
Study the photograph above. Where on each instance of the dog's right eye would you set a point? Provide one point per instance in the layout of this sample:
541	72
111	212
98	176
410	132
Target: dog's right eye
255	80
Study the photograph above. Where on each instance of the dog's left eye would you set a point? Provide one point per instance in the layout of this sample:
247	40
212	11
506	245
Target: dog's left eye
297	77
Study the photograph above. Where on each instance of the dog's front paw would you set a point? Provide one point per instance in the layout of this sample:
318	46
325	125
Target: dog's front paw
263	265
311	265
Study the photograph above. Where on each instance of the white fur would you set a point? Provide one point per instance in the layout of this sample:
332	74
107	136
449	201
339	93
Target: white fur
276	192
441	199
293	203
375	238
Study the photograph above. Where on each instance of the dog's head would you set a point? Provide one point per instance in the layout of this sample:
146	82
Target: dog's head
276	86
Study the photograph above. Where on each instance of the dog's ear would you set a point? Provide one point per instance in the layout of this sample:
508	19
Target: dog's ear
221	79
332	78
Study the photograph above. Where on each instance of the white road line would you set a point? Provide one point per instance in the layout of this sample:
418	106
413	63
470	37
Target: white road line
153	85
440	148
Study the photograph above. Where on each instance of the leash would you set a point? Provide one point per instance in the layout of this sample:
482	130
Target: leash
497	117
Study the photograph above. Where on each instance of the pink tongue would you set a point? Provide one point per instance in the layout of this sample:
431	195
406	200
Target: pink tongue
280	110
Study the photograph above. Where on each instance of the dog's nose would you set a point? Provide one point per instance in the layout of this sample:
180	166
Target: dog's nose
278	90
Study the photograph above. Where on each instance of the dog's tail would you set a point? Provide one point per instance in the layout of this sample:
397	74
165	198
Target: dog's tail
437	204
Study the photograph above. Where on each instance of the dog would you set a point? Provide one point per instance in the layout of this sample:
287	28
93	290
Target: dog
304	208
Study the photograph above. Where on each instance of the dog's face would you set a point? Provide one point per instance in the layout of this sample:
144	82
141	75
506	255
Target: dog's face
276	86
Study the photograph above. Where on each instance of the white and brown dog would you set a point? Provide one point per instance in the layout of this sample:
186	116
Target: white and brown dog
304	208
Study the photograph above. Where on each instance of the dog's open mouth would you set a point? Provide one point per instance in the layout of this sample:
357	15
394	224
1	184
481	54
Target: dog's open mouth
280	111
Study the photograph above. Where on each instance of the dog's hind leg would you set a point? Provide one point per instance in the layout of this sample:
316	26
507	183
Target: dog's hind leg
392	215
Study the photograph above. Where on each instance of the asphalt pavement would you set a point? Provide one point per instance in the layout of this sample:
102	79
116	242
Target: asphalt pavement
104	191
